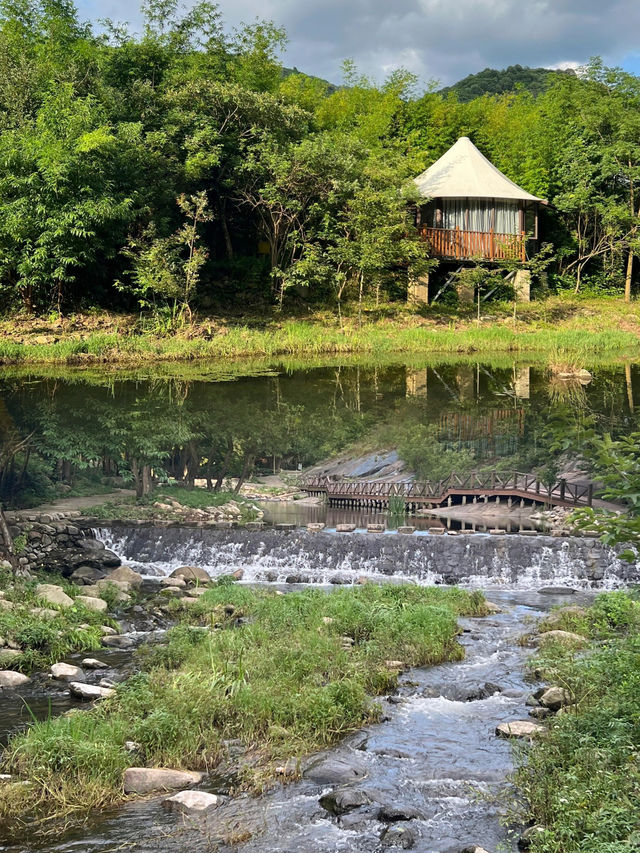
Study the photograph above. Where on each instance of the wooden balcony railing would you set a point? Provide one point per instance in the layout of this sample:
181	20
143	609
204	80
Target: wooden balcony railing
462	245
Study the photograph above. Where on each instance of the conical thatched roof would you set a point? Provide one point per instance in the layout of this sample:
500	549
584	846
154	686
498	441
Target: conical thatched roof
464	172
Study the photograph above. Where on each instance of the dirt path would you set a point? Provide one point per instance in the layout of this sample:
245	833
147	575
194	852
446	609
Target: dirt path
70	504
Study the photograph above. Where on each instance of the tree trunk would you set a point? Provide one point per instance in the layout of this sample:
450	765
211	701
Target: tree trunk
247	467
627	279
142	478
224	467
222	212
7	541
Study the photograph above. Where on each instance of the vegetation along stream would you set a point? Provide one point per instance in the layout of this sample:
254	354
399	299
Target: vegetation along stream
270	694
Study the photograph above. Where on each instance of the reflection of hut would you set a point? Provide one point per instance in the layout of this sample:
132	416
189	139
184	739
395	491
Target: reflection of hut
416	383
474	212
497	433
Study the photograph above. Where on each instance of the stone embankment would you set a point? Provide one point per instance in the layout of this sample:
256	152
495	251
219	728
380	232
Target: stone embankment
57	542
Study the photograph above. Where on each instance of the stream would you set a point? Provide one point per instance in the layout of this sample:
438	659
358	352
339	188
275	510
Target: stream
434	758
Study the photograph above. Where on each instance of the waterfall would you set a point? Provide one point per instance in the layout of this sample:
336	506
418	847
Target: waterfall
299	556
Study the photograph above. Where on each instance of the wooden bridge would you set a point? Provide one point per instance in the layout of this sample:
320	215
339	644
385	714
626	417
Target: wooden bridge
378	493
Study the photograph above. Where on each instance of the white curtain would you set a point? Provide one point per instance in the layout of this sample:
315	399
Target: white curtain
476	215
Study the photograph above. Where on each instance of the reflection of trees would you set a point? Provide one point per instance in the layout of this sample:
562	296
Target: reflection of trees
143	431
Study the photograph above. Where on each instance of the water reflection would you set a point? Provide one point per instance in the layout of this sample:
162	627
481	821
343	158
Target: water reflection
57	434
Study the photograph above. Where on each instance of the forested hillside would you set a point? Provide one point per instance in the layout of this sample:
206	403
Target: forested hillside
492	81
180	168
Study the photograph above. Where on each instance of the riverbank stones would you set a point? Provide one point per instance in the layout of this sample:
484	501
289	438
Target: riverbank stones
343	800
66	672
89	692
191	574
99	605
555	698
94	663
126	575
565	638
53	594
331	770
191	802
522	729
144	780
10	679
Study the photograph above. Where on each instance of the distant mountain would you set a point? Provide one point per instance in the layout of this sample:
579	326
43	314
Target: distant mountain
494	82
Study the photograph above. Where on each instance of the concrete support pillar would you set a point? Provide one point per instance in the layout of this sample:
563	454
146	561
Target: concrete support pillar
522	285
418	291
466	293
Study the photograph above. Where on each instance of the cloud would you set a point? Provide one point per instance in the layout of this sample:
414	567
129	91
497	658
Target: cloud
443	39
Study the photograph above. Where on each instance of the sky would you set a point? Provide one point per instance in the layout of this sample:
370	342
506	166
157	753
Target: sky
441	40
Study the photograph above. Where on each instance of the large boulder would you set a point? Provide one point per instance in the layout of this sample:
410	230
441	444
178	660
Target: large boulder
192	574
53	594
10	679
192	802
86	575
564	638
330	770
92	603
124	573
555	698
66	672
403	836
89	691
523	729
343	800
143	780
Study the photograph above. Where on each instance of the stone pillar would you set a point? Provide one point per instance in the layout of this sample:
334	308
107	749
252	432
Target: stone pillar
522	383
416	383
466	293
418	291
522	285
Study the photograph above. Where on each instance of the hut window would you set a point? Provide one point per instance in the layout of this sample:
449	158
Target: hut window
476	215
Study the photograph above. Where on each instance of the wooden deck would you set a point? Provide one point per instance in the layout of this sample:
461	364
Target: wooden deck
377	493
460	245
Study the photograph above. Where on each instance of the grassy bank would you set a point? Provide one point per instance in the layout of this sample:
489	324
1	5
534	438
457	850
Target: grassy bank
561	328
582	781
284	681
38	633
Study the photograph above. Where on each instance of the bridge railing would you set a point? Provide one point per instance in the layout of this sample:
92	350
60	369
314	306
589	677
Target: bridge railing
493	482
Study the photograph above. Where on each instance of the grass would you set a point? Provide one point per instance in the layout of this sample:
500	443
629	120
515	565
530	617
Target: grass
582	781
284	682
131	508
562	327
43	640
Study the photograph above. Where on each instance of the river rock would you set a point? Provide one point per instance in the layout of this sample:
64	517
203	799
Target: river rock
86	575
53	594
10	679
404	837
492	607
44	612
343	800
395	813
555	698
91	603
108	631
143	780
117	641
539	713
124	573
191	802
178	582
89	691
331	770
520	729
66	672
6	605
9	656
565	638
473	849
191	574
94	663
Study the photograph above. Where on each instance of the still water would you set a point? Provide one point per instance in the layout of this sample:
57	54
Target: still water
433	417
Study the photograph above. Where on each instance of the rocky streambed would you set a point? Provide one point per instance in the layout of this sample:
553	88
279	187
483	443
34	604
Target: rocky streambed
431	776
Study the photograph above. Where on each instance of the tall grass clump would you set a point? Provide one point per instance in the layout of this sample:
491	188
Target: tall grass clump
582	781
285	675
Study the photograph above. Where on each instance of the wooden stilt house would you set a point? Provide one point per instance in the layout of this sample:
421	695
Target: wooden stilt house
472	211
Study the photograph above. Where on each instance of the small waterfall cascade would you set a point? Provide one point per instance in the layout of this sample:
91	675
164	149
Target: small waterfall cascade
300	556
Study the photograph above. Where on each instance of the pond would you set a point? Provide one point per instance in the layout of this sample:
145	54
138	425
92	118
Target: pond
72	432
